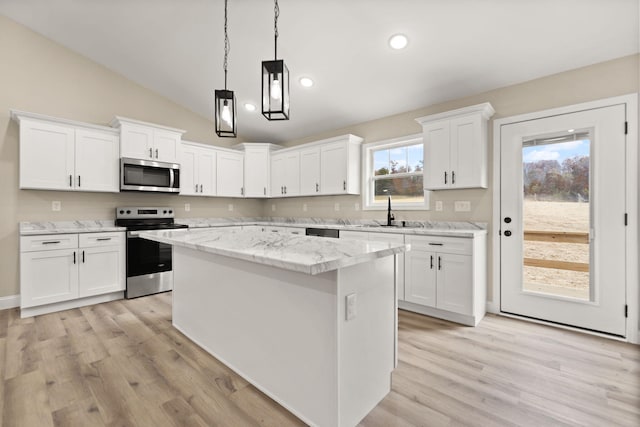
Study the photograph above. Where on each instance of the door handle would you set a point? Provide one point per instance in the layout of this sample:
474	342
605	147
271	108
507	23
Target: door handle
196	188
265	191
285	189
242	191
507	233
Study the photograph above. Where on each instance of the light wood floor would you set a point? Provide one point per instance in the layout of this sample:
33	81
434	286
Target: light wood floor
122	364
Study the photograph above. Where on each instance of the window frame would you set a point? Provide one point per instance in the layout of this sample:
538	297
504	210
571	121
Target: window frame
368	174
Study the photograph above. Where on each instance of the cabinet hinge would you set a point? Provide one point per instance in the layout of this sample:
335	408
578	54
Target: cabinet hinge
626	128
626	219
626	310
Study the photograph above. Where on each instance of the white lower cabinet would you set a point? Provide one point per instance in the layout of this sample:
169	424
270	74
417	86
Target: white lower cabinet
63	271
446	277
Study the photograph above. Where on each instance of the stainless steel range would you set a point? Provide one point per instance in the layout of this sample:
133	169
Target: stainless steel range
149	264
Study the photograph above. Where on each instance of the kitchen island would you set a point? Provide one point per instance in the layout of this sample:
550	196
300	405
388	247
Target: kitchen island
309	321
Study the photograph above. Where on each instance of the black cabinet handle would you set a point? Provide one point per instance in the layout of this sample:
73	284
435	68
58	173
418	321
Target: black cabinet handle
151	152
51	242
156	153
74	257
70	180
453	177
435	244
265	191
78	180
83	257
507	233
431	262
102	239
445	177
344	185
317	187
439	263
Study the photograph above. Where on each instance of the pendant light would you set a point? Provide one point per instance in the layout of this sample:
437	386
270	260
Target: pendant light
275	81
225	100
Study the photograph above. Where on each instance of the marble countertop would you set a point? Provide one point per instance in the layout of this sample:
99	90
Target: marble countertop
305	254
432	228
60	227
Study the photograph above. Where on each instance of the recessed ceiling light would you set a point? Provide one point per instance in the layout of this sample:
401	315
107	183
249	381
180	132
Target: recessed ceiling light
306	81
398	41
249	107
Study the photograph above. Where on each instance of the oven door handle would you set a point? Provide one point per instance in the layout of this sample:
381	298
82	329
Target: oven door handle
133	233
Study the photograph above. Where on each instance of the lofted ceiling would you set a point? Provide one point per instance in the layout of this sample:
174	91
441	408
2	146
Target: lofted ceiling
456	48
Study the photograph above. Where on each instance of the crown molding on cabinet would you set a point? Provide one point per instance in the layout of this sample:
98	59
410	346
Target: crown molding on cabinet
117	121
18	116
486	109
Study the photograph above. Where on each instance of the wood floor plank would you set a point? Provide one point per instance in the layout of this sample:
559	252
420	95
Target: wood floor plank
123	364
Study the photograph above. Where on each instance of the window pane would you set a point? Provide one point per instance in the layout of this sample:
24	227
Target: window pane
398	160
415	157
381	162
407	189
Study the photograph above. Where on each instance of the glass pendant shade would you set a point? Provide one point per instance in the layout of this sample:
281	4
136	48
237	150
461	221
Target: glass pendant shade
275	90
225	114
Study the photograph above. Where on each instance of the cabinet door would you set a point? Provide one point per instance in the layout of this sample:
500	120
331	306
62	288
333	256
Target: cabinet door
333	168
189	178
310	171
420	277
97	161
292	174
136	142
166	145
46	156
455	283
256	173
229	174
48	276
101	270
207	172
277	175
468	162
437	173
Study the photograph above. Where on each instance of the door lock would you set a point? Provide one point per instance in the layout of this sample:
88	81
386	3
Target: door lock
507	233
507	219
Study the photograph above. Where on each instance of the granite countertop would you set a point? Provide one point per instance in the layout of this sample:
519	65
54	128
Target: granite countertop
305	254
59	227
433	228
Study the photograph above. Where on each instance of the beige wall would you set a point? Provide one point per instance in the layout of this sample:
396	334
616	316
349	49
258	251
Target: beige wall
604	80
40	76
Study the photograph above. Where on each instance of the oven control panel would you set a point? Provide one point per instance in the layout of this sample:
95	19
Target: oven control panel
129	212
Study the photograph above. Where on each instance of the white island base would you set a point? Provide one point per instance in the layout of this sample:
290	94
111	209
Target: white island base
286	332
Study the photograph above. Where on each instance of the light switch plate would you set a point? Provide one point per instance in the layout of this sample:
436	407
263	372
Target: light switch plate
230	207
357	206
350	304
187	207
439	205
336	207
304	207
273	208
56	206
462	206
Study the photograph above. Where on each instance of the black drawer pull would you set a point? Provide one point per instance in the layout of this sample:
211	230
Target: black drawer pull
102	239
51	242
436	244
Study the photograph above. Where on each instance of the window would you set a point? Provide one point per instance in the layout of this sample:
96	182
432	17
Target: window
395	168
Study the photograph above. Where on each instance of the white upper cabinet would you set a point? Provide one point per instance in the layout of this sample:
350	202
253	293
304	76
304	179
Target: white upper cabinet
340	165
57	154
197	170
148	141
455	148
257	168
285	174
229	173
310	171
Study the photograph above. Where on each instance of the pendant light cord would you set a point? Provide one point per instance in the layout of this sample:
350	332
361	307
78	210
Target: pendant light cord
226	45
276	13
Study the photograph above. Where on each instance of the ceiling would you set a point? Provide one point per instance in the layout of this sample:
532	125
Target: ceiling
456	48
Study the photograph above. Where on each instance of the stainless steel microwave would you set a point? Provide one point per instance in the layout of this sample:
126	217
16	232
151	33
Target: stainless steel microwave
149	175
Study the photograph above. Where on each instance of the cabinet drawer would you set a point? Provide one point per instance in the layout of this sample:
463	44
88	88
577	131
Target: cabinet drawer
48	242
91	240
452	245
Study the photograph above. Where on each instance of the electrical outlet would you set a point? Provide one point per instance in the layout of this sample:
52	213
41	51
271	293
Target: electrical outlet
357	206
304	207
350	304
439	205
336	207
230	207
56	206
462	206
187	207
273	208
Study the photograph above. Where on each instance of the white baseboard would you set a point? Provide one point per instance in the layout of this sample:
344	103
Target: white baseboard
492	307
10	301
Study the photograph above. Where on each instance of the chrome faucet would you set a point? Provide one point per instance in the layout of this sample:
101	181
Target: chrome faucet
390	217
